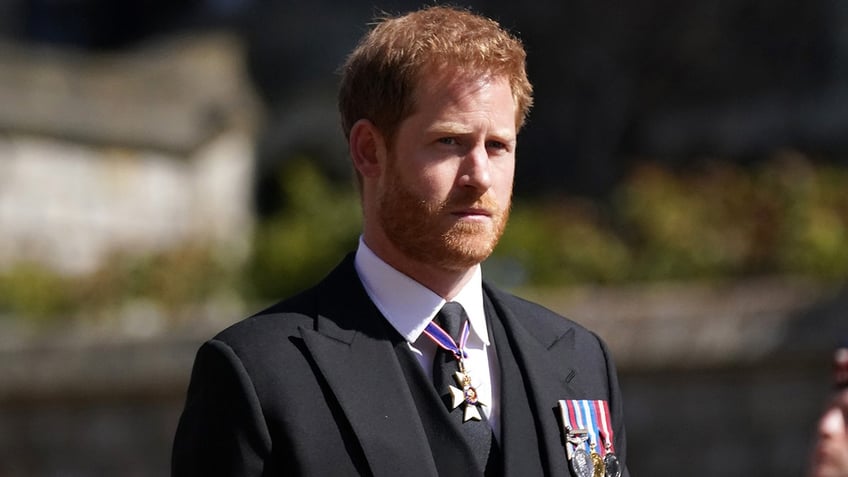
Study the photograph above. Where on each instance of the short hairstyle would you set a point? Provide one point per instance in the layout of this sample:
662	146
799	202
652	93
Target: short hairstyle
380	75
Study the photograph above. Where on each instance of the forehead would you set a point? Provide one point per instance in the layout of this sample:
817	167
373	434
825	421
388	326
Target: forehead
438	80
451	91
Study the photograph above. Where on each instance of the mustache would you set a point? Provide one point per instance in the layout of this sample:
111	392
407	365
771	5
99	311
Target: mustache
471	200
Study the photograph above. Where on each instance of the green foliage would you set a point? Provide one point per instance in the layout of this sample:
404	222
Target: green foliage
319	225
563	243
697	225
721	220
33	291
183	275
812	231
715	220
187	274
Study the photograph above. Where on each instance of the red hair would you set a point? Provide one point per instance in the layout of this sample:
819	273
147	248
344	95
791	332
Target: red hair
380	75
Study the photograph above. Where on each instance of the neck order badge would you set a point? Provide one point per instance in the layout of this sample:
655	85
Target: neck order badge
466	395
588	438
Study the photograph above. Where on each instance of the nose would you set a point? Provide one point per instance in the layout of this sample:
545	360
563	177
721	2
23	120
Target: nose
475	169
832	422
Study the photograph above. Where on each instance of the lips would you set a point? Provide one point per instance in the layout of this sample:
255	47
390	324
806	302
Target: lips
474	211
483	206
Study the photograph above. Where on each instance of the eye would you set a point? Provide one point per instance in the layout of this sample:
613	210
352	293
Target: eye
498	145
450	141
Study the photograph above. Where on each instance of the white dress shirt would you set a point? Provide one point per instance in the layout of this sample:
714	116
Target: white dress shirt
409	307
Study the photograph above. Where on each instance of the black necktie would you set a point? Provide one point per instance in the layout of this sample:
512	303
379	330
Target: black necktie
478	433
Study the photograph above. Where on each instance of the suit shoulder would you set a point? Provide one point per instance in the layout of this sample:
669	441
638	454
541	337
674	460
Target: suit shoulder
334	296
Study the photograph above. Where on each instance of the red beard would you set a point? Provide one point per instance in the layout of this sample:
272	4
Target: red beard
427	232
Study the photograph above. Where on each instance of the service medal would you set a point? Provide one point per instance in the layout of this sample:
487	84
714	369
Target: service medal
597	463
612	468
585	424
581	463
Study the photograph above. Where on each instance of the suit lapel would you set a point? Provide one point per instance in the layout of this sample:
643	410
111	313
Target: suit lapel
541	354
352	348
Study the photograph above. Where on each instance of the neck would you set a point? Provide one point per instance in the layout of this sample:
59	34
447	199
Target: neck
446	283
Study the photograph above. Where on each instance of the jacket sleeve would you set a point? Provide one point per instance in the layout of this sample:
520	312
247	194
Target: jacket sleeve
222	430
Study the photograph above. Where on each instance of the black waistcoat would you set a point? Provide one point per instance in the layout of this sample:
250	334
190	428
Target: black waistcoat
518	443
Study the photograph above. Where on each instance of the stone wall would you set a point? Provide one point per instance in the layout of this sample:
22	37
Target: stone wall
139	151
69	206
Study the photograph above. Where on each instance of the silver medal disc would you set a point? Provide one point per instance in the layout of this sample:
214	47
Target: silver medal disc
612	468
581	463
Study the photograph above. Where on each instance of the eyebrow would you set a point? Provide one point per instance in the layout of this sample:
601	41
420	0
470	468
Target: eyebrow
450	127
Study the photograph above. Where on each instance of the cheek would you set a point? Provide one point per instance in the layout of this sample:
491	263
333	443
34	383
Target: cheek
436	180
419	184
503	179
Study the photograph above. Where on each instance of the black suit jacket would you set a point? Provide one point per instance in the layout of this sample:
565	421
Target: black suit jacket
311	386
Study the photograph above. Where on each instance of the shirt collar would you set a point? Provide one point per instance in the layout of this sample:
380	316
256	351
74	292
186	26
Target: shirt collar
409	306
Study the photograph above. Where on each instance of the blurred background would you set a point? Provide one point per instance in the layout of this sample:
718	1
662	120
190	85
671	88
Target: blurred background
169	166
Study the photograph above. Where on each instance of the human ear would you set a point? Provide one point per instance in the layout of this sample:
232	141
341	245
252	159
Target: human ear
367	148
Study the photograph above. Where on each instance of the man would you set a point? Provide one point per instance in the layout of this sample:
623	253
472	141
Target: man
339	380
830	455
